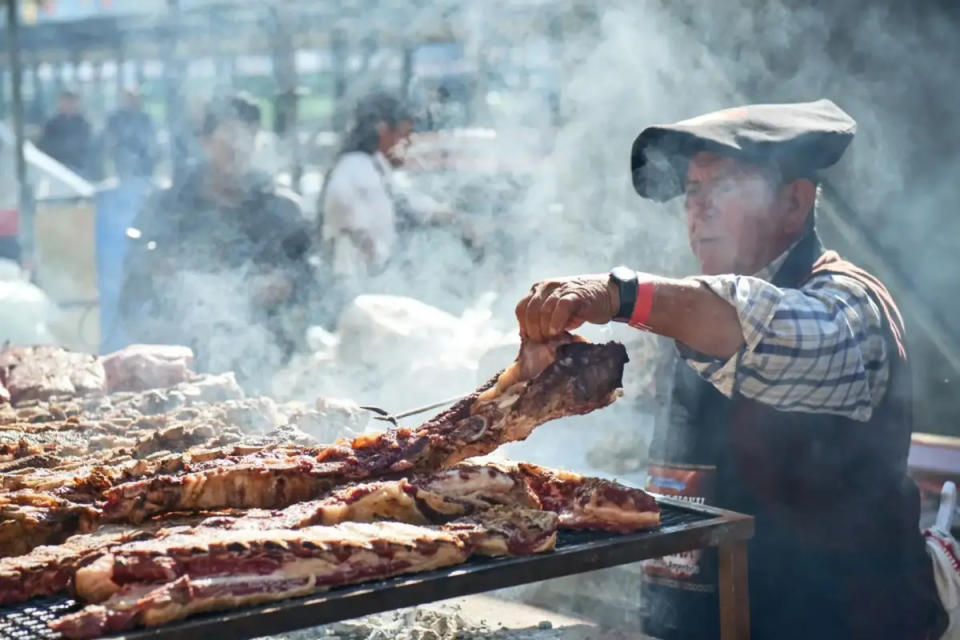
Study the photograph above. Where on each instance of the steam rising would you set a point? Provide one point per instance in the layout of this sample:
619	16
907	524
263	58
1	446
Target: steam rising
617	66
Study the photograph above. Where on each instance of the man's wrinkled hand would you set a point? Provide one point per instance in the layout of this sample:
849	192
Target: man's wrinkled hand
563	304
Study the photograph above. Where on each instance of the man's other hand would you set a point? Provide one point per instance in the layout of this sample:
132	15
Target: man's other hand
563	304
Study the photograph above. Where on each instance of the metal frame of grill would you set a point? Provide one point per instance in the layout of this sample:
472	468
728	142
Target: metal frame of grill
684	527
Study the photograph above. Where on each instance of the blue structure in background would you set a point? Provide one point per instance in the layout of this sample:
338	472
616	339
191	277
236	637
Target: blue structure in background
116	209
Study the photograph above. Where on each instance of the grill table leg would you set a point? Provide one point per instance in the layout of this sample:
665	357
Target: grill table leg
734	598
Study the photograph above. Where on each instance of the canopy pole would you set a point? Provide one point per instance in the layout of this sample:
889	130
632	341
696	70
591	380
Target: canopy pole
25	193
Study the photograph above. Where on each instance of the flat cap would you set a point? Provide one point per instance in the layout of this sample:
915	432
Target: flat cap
800	137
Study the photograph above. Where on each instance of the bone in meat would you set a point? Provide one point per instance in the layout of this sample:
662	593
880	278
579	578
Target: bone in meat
508	531
583	377
434	498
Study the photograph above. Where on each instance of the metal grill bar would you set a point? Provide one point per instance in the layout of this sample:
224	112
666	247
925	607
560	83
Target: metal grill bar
683	527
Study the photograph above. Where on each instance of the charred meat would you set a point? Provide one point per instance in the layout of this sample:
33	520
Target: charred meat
591	503
156	581
582	378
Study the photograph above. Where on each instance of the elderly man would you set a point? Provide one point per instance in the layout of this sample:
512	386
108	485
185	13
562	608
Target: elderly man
793	400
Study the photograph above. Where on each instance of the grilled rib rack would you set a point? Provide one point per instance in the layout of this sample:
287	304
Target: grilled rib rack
683	527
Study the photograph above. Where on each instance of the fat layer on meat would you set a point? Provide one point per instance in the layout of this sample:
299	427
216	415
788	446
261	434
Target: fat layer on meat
329	553
158	581
48	569
422	499
591	503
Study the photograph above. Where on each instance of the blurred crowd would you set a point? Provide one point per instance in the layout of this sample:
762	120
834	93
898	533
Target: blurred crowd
128	140
226	261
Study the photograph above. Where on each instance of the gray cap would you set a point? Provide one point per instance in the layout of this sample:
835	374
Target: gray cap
801	137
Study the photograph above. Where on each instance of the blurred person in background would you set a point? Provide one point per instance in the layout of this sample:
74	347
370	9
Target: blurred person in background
218	262
358	208
130	139
444	111
67	136
366	218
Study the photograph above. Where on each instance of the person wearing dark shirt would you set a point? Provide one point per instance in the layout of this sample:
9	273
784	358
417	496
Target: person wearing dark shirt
130	139
218	262
67	136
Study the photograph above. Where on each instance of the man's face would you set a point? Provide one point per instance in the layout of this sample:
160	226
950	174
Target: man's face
230	147
395	140
733	215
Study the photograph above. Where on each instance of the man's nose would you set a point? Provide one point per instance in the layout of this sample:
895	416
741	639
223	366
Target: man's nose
699	207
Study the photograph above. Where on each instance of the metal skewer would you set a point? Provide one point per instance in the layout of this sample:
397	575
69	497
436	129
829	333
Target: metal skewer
385	416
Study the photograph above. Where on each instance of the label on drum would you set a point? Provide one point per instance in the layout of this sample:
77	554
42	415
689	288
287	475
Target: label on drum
690	570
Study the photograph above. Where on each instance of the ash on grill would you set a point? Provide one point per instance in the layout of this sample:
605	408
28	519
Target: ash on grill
448	622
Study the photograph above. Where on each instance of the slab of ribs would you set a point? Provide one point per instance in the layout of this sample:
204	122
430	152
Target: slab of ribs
150	503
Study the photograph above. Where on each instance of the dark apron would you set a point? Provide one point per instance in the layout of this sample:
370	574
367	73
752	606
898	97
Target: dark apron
837	551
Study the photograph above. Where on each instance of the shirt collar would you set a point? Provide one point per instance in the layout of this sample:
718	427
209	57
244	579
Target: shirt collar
769	271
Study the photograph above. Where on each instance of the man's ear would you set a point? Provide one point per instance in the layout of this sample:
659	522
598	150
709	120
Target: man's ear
797	200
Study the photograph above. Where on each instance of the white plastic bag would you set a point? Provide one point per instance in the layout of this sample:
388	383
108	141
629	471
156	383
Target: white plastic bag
945	553
26	308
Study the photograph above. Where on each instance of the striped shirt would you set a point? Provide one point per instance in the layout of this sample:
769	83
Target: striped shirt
817	349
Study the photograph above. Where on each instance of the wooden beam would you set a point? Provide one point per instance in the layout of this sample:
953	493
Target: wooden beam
734	593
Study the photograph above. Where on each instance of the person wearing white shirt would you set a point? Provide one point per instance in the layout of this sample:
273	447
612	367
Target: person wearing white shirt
359	205
376	230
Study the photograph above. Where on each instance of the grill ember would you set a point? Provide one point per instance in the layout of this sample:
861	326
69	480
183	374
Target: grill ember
174	508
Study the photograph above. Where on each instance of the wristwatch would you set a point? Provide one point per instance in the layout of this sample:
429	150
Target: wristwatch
626	281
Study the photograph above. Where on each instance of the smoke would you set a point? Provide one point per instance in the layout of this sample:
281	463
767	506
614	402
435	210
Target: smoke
890	65
564	94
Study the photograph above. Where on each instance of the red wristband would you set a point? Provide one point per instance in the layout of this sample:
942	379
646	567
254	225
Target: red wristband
643	305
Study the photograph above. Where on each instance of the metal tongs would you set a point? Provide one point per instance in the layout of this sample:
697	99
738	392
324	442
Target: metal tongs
386	416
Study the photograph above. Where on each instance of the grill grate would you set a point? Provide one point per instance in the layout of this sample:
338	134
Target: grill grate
671	516
28	621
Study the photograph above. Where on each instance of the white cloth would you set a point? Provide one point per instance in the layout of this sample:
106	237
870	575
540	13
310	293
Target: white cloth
943	550
358	210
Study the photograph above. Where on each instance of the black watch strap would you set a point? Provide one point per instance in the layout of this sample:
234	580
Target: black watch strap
626	281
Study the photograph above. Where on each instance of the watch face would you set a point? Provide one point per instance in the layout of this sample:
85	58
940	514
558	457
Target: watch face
622	274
